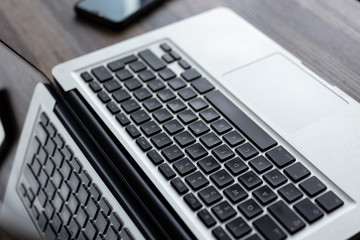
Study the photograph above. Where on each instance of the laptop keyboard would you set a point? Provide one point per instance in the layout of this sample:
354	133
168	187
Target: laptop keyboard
233	175
61	196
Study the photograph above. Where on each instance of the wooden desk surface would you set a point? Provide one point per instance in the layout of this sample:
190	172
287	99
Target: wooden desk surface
324	34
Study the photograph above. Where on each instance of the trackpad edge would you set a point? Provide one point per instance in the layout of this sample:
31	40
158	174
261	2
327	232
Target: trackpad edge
284	92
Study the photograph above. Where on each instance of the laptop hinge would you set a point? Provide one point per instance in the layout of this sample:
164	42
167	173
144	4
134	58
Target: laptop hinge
151	212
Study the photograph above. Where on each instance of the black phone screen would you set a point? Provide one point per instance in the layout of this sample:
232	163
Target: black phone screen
113	10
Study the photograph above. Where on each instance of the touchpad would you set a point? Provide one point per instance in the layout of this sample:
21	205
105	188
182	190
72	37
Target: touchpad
279	88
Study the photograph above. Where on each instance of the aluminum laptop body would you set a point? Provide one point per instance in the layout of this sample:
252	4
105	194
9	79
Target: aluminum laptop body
311	124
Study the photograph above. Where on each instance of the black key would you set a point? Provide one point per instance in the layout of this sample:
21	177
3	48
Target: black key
239	119
235	193
297	172
184	64
176	83
166	95
155	157
190	75
198	104
102	222
260	164
42	156
222	178
116	65
246	151
165	47
146	75
223	211
253	237
172	153
202	85
198	128
41	134
269	229
59	141
166	74
73	203
308	210
156	85
36	166
101	74
50	189
290	193
150	128
176	105
113	234
65	215
124	74
112	85
223	153
50	146
90	230
162	115
65	191
280	156
286	217
41	197
133	131
152	60
173	127
122	119
221	126
115	221
236	166
76	165
184	166
113	108
179	185
57	178
209	115
137	66
250	180
31	179
42	221
58	158
329	201
132	84
210	140
95	191
86	76
139	117
196	151
238	227
121	95
103	97
206	218
161	140
264	195
43	179
275	178
210	195
152	104
187	94
85	178
192	201
196	180
187	116
184	139
81	217
168	58
105	206
143	144
92	208
209	164
312	186
175	55
130	106
64	234
220	234
56	223
233	138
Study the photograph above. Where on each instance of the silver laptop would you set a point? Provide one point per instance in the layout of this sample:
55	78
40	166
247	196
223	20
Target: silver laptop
234	137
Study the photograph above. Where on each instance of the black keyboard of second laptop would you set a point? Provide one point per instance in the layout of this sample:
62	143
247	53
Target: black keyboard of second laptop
226	168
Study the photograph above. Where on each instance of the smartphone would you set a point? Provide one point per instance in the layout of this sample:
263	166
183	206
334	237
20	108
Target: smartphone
114	13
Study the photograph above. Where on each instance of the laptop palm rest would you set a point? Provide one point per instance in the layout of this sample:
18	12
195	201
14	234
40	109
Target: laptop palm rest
288	95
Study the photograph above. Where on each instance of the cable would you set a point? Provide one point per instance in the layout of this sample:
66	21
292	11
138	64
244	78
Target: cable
26	60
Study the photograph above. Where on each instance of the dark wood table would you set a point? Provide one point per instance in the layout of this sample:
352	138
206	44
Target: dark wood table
324	34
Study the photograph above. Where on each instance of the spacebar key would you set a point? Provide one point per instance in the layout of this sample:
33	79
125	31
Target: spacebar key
152	60
237	117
